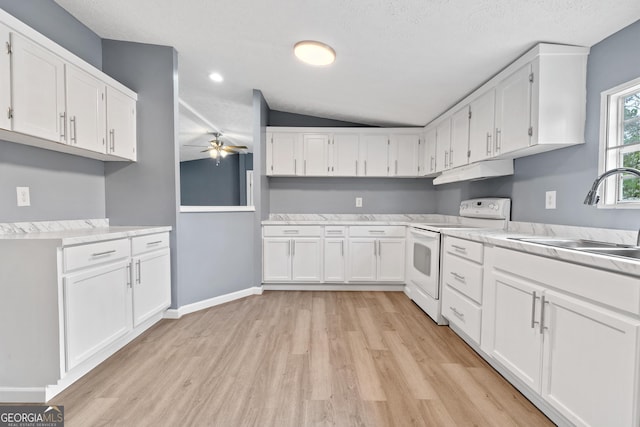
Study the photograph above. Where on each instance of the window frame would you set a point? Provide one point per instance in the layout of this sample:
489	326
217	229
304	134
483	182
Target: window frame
611	118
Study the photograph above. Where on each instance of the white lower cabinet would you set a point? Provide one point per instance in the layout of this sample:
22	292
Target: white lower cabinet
292	253
151	276
363	259
376	259
97	310
580	357
335	254
306	259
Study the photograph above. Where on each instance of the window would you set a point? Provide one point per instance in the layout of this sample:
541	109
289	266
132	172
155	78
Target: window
620	143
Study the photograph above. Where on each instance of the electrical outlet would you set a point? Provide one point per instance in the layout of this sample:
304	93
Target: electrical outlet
23	196
358	202
550	200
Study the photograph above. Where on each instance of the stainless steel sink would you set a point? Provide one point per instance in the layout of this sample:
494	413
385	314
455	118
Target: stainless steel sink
602	248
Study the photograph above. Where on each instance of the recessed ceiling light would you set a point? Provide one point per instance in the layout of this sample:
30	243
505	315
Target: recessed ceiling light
314	53
216	77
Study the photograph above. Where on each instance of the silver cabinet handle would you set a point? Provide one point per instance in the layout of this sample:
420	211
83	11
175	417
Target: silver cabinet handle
291	231
379	249
432	164
293	248
457	313
305	166
289	247
73	130
542	304
63	125
342	248
154	243
488	143
375	248
295	166
498	140
111	140
533	311
97	254
450	158
139	273
128	275
365	168
458	277
446	159
356	168
377	231
396	167
459	248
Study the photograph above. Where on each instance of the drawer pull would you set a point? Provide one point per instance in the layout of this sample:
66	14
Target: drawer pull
377	231
334	231
154	243
138	272
97	254
129	275
291	231
457	313
533	311
459	248
458	277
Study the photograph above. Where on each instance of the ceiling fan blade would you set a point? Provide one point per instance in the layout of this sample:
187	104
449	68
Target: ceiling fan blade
207	150
189	145
237	147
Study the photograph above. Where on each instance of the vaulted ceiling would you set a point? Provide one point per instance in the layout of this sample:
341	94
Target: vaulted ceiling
399	62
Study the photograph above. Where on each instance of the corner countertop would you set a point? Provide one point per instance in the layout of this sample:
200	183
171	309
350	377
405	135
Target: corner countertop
74	232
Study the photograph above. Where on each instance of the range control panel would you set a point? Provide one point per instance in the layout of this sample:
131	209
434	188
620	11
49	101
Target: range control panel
491	208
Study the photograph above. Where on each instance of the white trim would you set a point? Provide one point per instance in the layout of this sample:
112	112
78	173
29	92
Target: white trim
174	313
331	287
187	209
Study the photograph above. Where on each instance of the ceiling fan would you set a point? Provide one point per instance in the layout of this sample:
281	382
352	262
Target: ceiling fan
217	150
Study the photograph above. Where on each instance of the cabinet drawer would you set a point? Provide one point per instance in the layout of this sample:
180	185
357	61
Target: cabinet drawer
335	231
148	243
82	256
463	275
377	231
473	251
462	312
292	230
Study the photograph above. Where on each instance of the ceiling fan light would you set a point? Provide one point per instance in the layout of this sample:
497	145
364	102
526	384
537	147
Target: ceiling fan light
314	53
223	153
213	154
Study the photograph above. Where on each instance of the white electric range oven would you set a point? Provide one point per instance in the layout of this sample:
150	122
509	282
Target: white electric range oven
425	247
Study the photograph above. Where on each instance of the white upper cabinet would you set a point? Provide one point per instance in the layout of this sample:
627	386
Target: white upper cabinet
459	138
345	150
374	152
37	87
481	127
282	151
5	81
86	117
121	124
513	112
403	155
427	153
443	145
315	149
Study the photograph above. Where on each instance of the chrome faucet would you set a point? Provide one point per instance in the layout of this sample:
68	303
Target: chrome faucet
592	196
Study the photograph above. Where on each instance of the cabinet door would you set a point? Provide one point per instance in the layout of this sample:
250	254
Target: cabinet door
315	149
276	262
363	254
513	112
345	154
428	153
283	152
590	363
334	260
306	260
151	285
5	80
85	110
403	155
97	310
37	87
375	155
391	260
121	124
443	144
459	138
517	339
481	127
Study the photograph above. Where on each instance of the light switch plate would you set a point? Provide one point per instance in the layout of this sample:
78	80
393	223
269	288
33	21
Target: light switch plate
358	202
550	200
23	196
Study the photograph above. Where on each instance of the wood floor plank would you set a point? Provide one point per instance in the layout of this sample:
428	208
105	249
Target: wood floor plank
298	359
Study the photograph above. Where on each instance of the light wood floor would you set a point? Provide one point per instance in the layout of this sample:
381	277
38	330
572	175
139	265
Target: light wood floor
298	359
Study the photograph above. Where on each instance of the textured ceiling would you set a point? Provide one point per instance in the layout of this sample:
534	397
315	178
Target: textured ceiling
398	62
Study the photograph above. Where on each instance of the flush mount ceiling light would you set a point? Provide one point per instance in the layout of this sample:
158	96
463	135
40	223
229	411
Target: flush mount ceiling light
314	53
216	77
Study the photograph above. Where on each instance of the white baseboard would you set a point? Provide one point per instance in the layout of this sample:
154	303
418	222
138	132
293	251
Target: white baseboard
176	313
330	287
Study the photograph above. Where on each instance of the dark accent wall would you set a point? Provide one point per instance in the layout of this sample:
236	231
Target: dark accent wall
56	23
281	118
62	186
202	183
569	171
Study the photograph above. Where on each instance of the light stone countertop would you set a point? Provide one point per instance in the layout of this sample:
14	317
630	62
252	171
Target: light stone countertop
74	232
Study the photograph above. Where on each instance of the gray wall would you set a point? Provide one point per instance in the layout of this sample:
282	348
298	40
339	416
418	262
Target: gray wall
62	186
337	195
202	183
146	192
261	182
46	17
281	118
569	171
